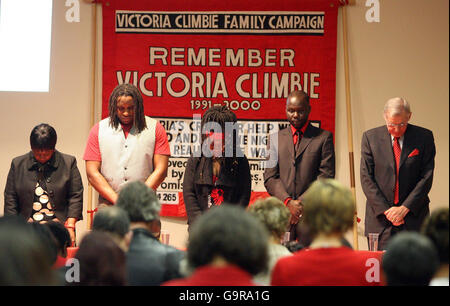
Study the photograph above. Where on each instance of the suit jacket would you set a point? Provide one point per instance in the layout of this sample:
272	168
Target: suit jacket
236	184
292	174
62	179
378	176
149	262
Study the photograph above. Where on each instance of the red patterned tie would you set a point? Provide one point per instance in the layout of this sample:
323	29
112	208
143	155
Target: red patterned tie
397	153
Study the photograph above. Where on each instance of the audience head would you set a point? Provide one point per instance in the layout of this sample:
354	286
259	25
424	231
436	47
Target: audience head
43	141
410	260
114	221
293	246
101	261
273	214
436	228
329	208
141	204
228	233
47	238
126	106
62	236
24	257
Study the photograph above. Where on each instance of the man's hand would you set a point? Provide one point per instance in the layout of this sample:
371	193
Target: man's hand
396	214
293	219
296	209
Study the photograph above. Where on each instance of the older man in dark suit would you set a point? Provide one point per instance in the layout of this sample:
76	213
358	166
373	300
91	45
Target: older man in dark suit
304	154
397	164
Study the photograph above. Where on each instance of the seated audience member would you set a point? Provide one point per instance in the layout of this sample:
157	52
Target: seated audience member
47	239
293	246
115	222
157	229
101	261
436	227
45	184
226	247
410	260
305	238
328	213
24	259
149	262
62	242
275	217
62	236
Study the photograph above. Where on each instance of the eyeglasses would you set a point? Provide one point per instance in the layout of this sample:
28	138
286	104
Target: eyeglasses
400	125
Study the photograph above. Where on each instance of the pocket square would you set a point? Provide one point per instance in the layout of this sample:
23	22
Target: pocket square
414	153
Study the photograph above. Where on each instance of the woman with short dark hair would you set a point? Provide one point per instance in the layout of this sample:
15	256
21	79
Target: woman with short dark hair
45	184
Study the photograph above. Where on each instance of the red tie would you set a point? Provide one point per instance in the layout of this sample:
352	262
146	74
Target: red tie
397	153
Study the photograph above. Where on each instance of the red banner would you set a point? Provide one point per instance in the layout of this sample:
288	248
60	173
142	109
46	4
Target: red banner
186	56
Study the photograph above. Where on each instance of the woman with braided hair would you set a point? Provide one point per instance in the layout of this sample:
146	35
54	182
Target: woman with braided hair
221	174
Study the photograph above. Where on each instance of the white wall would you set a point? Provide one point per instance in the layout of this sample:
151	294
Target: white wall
406	54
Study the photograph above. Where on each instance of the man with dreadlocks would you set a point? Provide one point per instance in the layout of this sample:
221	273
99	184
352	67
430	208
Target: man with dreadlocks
220	175
126	146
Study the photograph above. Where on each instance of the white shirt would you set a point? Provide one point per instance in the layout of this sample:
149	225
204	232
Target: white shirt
400	141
